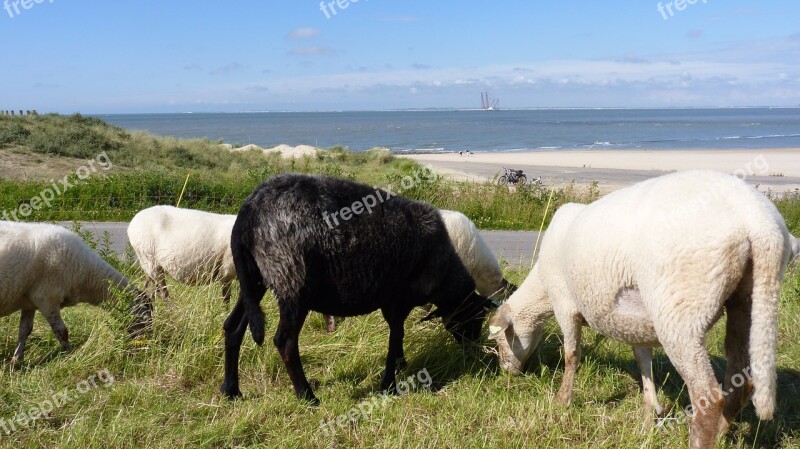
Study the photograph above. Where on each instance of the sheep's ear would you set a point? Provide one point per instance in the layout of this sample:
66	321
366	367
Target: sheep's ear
498	325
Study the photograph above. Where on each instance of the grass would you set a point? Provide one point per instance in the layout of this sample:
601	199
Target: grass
164	392
146	170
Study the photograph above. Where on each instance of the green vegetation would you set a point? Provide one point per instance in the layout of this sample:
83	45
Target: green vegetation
164	393
148	170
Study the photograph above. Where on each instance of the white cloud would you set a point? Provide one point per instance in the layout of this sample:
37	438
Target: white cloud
303	33
753	73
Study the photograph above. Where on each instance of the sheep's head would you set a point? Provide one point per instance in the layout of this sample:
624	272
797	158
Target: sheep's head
513	348
465	321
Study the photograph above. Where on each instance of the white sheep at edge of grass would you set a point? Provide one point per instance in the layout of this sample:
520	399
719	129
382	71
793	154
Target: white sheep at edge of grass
641	267
191	246
45	267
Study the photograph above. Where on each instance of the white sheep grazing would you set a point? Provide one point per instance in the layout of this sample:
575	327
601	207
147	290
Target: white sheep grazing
192	246
476	255
46	268
656	264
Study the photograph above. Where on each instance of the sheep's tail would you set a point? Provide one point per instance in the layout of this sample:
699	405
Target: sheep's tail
769	254
250	282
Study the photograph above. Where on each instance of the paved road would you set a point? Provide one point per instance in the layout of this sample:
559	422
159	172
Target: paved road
514	247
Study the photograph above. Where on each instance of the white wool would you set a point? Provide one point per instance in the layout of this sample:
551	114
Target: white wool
45	268
654	264
191	246
474	253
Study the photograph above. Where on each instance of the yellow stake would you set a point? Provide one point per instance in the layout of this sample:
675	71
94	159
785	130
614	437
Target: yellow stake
183	190
539	236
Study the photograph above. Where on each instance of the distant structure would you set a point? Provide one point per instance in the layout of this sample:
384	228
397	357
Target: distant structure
11	112
487	104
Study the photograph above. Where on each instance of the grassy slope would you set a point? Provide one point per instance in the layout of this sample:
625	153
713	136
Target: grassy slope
165	393
149	170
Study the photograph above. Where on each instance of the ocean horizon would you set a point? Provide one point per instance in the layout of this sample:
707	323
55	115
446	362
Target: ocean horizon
453	130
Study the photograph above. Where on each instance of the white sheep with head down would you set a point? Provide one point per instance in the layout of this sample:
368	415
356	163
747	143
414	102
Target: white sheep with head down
46	268
476	255
656	264
191	246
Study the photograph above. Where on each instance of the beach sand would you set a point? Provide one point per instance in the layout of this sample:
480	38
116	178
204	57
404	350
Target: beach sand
775	169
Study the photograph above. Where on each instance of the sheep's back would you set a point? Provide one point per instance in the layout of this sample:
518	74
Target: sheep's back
474	252
381	254
680	237
189	245
41	260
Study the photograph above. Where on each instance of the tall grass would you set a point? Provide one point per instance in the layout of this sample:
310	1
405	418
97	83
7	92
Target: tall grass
164	393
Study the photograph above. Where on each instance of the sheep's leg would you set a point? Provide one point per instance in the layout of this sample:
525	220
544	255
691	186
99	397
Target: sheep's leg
226	292
286	341
235	327
161	284
571	328
330	323
149	283
25	329
737	347
688	354
395	357
53	316
644	357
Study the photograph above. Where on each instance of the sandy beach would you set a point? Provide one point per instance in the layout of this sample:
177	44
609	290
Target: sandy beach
776	169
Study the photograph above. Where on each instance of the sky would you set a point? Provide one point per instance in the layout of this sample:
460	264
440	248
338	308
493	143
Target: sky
93	56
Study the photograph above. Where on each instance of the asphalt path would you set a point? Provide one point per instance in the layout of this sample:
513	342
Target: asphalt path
513	247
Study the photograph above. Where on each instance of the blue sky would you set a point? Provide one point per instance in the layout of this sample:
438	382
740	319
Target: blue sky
95	56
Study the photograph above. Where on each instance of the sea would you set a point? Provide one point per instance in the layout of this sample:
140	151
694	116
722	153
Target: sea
476	130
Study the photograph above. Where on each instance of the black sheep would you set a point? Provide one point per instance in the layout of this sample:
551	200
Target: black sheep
294	235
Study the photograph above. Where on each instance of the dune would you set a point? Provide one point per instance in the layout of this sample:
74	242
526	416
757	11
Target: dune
286	151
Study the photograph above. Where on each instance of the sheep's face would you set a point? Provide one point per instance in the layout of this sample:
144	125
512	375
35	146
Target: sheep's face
466	321
513	349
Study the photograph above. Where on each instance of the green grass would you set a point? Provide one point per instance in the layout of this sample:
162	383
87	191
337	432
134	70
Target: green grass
164	393
147	170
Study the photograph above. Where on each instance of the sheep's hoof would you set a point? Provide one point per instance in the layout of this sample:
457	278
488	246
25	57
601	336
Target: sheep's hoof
309	397
388	386
563	399
16	363
230	392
